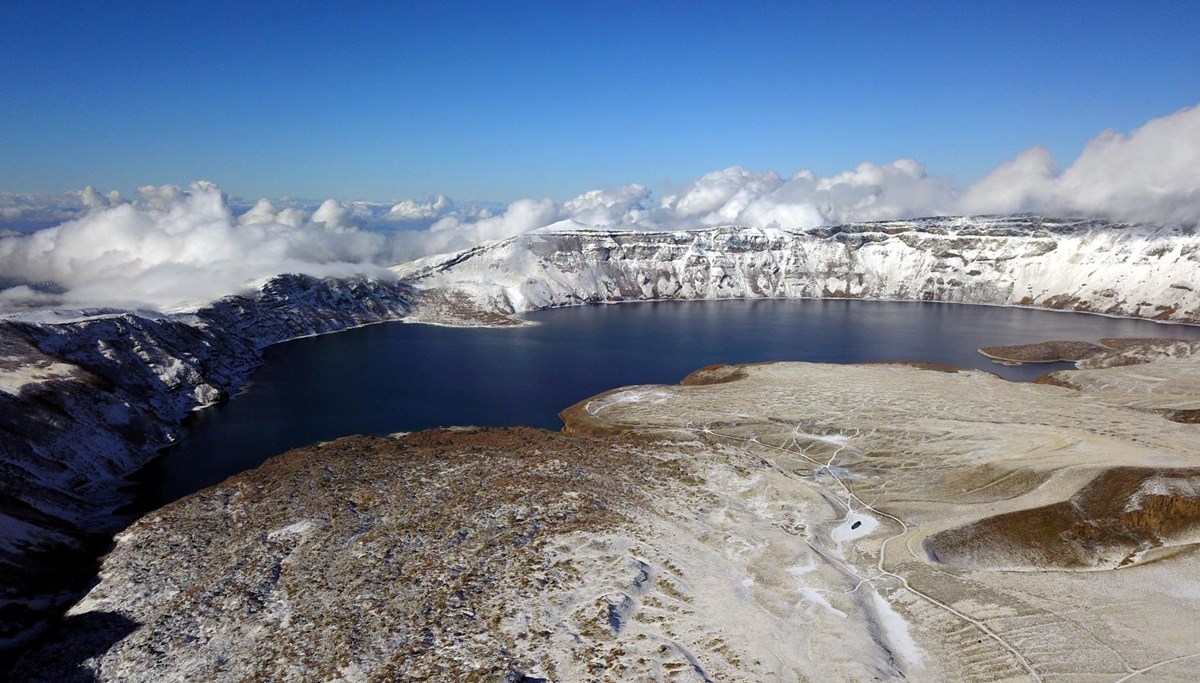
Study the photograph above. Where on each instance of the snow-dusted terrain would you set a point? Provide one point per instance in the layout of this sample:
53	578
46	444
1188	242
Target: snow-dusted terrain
1084	265
773	522
87	398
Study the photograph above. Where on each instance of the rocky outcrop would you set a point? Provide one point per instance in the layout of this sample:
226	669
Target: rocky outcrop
1079	265
87	399
1123	516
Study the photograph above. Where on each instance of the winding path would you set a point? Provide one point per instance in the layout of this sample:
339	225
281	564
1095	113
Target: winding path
851	498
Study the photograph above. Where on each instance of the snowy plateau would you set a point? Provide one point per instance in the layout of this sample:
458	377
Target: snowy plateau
767	516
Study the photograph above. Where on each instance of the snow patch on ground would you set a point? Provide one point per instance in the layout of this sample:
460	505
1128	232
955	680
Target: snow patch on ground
810	594
1160	486
13	379
854	526
639	395
294	529
895	628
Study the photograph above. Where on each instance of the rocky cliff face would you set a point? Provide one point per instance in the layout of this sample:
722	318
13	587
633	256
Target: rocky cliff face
1082	265
86	400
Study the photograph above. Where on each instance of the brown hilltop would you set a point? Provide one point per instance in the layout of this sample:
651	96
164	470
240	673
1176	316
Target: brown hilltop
1123	516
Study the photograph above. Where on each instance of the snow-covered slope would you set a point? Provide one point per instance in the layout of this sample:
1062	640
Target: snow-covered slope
771	522
1086	265
87	399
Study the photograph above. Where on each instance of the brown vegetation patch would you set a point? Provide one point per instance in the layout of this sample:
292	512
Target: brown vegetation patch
399	555
1190	417
1042	352
714	374
1055	379
1111	522
1062	302
1122	343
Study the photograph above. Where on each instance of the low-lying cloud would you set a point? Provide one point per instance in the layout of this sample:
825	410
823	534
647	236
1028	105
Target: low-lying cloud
172	247
180	247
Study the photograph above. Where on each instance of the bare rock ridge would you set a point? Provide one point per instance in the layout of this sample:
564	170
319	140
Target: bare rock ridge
778	521
88	399
1080	265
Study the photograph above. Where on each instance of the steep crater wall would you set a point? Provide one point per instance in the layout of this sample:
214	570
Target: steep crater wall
88	400
1080	265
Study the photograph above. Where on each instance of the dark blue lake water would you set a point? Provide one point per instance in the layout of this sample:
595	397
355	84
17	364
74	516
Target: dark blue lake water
399	377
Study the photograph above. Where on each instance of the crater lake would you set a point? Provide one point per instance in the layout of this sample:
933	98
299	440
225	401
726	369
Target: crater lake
400	377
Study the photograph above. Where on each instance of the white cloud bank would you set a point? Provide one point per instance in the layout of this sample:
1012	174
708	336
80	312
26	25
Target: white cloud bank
33	209
174	247
1151	175
177	248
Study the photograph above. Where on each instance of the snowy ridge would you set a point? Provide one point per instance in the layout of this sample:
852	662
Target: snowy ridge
1083	265
88	398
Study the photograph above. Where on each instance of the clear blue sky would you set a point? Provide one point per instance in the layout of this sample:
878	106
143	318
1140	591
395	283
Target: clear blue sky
500	100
